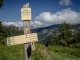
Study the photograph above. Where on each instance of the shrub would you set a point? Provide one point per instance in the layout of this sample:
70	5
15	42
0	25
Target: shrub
77	45
62	42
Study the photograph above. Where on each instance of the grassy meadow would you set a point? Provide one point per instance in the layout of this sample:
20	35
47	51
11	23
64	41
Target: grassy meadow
11	52
64	53
41	53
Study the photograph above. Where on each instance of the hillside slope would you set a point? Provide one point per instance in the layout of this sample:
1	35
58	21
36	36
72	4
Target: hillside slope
45	34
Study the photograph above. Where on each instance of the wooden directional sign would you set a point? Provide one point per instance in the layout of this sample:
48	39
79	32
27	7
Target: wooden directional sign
21	39
32	37
25	13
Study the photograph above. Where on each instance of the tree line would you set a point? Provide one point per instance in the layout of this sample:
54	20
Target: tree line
8	31
68	36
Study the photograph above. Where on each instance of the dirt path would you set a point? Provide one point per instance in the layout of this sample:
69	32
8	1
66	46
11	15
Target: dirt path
47	54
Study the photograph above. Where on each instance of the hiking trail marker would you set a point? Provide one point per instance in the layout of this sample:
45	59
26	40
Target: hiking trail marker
21	39
25	13
27	39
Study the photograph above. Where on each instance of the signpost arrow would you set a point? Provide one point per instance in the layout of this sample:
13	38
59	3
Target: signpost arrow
21	39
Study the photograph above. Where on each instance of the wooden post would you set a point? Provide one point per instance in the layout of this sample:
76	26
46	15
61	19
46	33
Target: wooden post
27	46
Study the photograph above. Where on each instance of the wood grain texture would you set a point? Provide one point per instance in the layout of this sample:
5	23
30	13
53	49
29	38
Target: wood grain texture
27	46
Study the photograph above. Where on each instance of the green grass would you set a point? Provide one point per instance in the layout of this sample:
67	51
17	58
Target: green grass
16	52
64	53
38	53
11	52
56	53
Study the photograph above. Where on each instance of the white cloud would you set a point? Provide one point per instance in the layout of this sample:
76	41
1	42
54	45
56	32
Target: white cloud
67	15
48	18
36	24
65	2
18	24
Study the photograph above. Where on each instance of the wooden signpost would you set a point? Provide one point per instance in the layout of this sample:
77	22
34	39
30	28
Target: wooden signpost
26	17
27	39
21	39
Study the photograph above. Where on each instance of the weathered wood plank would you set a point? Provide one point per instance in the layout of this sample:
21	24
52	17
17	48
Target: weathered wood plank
27	46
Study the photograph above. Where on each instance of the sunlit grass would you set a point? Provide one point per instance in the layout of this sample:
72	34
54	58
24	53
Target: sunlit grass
56	53
38	53
11	52
64	53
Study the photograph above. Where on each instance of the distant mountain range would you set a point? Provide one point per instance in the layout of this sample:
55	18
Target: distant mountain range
45	34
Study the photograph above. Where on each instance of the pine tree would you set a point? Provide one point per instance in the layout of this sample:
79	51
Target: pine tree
65	36
66	32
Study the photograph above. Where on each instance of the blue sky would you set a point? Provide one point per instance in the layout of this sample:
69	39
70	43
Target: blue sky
44	12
